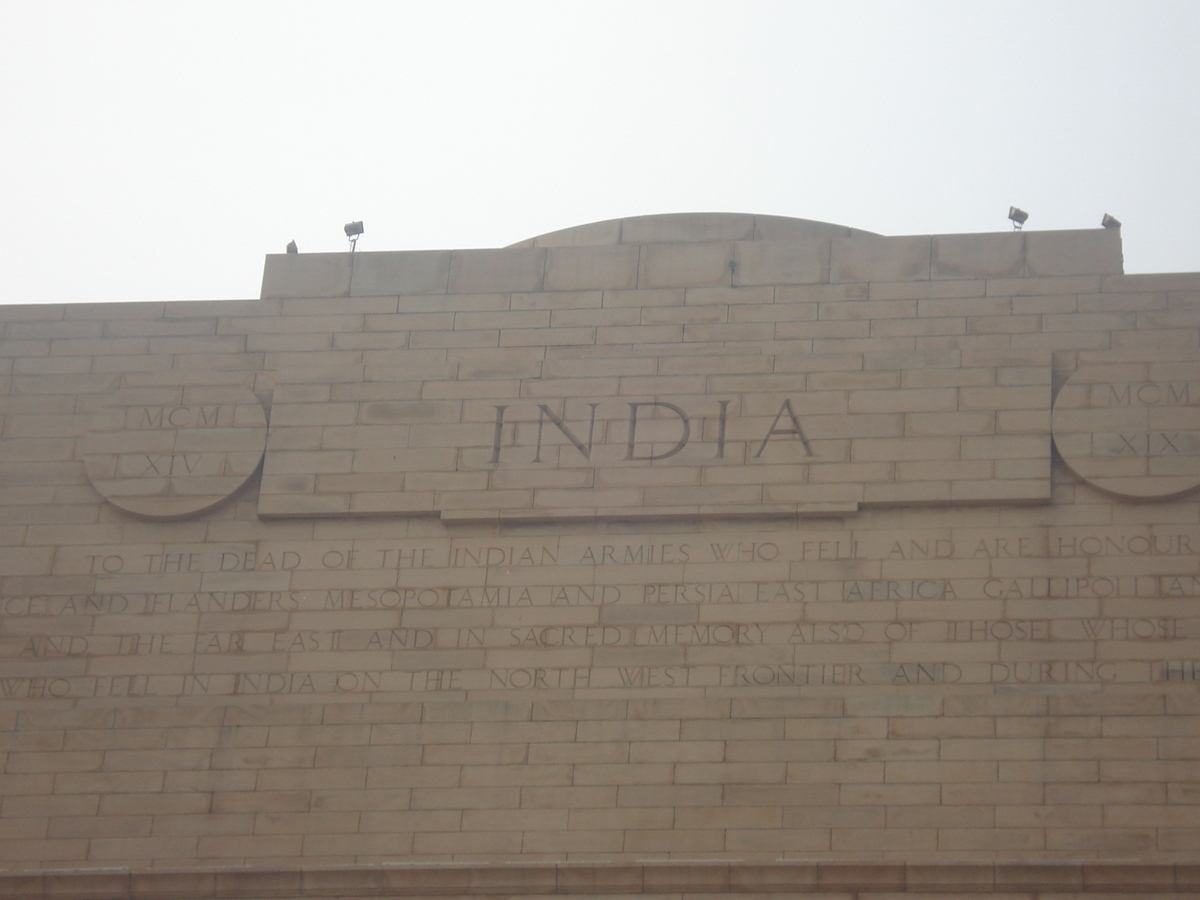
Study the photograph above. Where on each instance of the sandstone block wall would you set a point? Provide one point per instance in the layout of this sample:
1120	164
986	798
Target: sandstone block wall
725	538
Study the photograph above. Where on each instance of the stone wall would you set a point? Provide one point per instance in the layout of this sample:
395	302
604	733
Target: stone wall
723	538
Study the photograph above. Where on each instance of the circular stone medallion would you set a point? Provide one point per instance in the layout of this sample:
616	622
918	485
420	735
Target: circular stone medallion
1132	429
174	451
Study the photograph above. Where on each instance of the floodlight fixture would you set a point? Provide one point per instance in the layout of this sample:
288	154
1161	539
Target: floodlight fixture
1110	221
1018	217
353	231
292	248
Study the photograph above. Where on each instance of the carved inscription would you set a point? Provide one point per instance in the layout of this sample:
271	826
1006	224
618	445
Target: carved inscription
531	449
1137	436
802	610
169	452
643	417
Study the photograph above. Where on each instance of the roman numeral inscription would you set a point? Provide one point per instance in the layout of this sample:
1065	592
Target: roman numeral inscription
1146	393
168	463
175	450
1136	437
1151	443
180	416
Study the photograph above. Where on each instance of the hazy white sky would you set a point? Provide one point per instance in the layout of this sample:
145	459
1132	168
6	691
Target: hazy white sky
157	150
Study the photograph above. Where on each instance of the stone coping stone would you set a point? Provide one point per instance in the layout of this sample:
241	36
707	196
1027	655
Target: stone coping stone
841	878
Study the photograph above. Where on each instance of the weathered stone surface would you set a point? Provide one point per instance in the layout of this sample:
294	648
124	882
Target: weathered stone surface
665	555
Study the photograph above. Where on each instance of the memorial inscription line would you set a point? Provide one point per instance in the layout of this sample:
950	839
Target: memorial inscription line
533	637
786	676
451	554
753	593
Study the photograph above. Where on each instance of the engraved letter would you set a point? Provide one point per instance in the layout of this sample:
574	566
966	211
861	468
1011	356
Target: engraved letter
795	429
545	413
721	430
496	436
633	416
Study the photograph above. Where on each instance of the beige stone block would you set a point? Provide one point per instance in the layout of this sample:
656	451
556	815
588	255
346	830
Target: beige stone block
685	265
406	272
874	839
1108	841
687	228
477	797
836	336
914	400
691	315
432	340
1086	252
978	255
478	271
61	365
595	316
867	310
375	305
529	318
1120	302
905	360
306	275
573	842
922	330
593	234
274	326
1158	282
524	337
678	841
781	262
592	268
728	333
1051	288
863	258
691	751
514	819
623	774
992	839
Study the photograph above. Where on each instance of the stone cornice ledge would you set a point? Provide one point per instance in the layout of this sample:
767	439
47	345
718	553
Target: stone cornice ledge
842	879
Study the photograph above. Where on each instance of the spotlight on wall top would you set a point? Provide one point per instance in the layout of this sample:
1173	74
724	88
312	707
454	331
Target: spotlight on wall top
1110	221
1018	216
353	231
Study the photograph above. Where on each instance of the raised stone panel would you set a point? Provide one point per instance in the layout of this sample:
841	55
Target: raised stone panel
978	255
863	258
487	271
625	430
307	275
781	262
411	272
1058	253
592	268
686	265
